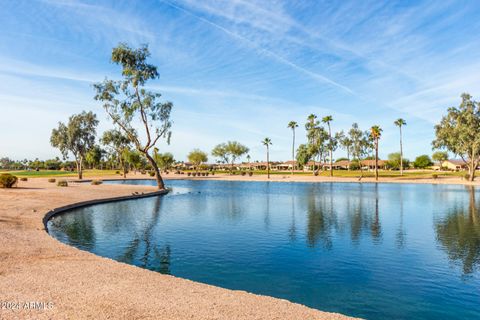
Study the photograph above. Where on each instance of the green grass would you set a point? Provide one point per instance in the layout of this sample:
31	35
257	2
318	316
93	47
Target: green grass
58	173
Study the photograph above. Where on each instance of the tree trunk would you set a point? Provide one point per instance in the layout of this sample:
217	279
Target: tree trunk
471	169
331	151
79	168
158	177
268	164
293	152
376	160
401	153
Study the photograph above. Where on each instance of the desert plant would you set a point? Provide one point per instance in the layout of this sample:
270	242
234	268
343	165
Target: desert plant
62	183
7	180
52	180
96	182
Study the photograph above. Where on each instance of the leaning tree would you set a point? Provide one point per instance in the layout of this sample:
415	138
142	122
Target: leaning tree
127	102
76	137
457	132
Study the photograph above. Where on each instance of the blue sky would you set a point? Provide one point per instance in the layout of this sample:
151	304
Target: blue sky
241	70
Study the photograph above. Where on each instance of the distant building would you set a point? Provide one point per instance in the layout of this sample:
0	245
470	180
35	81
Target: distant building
452	164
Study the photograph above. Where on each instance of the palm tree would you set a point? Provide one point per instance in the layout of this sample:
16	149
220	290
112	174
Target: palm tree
311	127
249	166
292	125
399	123
327	120
375	133
267	142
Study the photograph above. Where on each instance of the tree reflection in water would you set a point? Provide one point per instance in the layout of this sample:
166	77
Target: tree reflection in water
459	234
141	246
81	231
324	218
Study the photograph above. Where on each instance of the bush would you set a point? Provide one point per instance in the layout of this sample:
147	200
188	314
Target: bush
206	174
23	179
466	176
7	180
189	174
96	182
151	174
243	173
143	172
194	174
52	180
213	173
250	173
62	183
117	172
434	176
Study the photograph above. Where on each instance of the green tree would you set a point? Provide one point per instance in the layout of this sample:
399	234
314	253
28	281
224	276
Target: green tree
346	144
293	125
229	152
164	160
135	159
395	161
422	162
457	132
197	157
303	155
94	156
119	144
400	123
267	142
127	101
360	145
440	157
330	144
375	133
76	137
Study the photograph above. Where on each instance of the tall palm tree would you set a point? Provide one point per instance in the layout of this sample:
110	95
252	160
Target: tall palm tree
327	120
399	123
267	142
311	127
249	165
292	125
375	133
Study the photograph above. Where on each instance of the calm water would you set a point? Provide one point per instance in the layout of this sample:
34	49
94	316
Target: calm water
373	251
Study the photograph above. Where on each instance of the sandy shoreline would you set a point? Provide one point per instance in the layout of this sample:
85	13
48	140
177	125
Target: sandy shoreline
74	284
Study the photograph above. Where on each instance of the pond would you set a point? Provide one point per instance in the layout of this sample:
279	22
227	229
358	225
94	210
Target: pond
377	251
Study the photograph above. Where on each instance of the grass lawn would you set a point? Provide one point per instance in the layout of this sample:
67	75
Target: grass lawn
58	173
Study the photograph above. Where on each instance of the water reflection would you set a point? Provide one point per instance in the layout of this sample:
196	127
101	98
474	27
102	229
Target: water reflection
331	246
459	234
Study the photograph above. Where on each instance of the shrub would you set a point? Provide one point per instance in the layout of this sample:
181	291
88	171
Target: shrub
117	172
62	183
7	180
143	172
213	173
23	179
203	174
206	174
52	180
96	182
194	174
189	174
467	176
250	173
151	174
243	173
434	176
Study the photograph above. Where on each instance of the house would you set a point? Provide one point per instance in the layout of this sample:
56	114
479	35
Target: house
453	164
283	166
339	165
370	164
